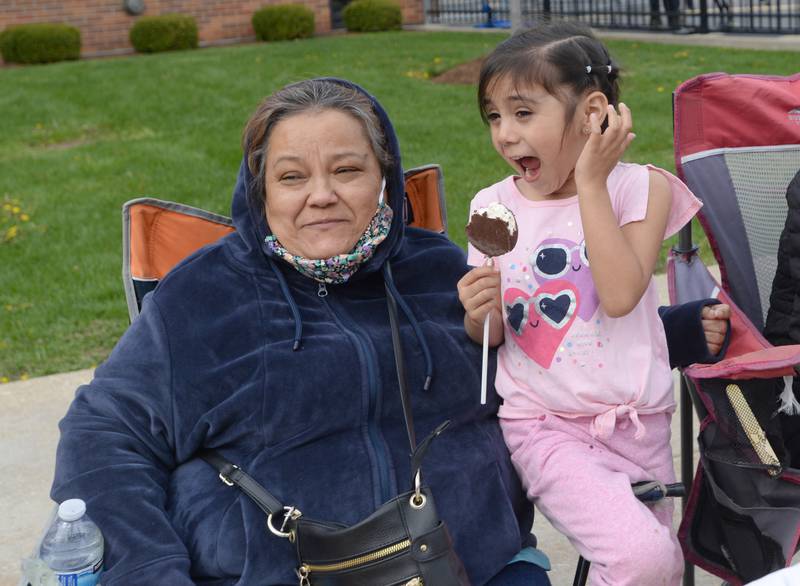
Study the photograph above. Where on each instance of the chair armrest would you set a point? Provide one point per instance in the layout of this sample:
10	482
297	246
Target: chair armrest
769	362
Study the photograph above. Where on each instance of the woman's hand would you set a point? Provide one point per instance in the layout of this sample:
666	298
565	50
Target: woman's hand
603	150
715	325
479	293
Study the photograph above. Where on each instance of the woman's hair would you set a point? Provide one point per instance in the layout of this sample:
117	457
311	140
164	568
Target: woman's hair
555	56
312	95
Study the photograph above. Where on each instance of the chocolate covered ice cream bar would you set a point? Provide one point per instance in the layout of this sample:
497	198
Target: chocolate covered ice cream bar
493	229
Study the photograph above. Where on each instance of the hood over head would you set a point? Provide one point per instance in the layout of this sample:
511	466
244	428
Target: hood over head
252	225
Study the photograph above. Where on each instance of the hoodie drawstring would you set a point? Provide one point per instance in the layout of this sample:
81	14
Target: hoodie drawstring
387	276
298	322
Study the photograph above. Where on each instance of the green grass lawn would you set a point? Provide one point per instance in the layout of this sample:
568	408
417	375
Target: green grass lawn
78	139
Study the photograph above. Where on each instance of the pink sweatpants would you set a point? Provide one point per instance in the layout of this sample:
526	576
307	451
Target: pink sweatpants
583	486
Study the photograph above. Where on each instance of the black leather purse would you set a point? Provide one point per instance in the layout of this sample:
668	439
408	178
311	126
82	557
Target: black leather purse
403	543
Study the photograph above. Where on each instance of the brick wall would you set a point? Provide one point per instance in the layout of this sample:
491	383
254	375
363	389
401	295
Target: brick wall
104	24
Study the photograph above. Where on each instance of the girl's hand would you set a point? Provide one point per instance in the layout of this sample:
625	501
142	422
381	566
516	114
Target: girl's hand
479	293
603	150
715	325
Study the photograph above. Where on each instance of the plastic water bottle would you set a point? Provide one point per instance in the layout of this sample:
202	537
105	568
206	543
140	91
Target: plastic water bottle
73	546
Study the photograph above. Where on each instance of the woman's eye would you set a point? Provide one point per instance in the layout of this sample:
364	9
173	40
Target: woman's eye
290	177
341	170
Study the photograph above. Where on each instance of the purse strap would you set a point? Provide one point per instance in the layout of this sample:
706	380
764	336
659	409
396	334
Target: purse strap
400	362
232	475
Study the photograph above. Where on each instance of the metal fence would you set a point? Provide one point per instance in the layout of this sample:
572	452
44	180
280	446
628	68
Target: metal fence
681	16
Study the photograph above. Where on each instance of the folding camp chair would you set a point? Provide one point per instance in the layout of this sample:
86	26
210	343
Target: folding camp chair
158	234
737	146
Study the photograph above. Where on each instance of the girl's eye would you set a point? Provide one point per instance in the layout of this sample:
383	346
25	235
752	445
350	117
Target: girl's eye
492	116
523	113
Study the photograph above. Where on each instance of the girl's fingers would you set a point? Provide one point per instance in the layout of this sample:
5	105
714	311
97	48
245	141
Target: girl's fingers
594	123
628	141
473	302
481	304
476	294
477	274
627	118
613	118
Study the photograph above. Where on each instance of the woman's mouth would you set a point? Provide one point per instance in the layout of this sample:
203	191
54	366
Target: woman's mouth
530	167
325	224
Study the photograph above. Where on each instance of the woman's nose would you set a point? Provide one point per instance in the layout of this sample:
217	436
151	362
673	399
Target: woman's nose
322	192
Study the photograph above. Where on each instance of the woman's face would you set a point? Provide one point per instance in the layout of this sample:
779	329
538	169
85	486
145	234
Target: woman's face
322	181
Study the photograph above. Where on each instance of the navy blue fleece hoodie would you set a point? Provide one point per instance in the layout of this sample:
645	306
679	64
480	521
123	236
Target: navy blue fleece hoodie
235	350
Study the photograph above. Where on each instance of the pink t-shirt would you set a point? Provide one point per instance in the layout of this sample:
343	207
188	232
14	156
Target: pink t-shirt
562	354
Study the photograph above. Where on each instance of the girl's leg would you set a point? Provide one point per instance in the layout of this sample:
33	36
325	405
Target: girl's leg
584	488
653	454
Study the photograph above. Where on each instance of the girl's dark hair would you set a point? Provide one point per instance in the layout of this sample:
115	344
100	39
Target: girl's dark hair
554	56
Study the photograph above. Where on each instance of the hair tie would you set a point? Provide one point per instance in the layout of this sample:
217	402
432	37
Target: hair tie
608	68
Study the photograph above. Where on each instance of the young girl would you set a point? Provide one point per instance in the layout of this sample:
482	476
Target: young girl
583	372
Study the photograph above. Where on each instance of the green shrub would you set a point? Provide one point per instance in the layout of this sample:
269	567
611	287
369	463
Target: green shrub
168	32
281	22
372	15
40	43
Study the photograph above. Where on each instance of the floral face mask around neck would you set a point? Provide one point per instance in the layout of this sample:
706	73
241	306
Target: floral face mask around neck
338	269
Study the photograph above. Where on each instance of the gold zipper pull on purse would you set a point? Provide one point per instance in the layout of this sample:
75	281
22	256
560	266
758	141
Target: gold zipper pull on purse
302	573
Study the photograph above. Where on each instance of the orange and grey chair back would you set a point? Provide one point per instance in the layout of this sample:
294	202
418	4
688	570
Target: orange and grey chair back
158	234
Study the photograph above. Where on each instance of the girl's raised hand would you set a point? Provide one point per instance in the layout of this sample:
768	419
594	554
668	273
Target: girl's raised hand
603	150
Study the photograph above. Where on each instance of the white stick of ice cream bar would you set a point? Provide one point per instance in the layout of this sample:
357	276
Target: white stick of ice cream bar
493	231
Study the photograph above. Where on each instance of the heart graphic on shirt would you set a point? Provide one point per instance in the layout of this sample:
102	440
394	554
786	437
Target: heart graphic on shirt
517	312
556	309
550	313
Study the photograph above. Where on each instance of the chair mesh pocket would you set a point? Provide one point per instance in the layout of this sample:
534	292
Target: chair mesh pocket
742	517
741	419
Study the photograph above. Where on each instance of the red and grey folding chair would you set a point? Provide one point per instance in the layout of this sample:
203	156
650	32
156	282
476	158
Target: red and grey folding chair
158	234
737	146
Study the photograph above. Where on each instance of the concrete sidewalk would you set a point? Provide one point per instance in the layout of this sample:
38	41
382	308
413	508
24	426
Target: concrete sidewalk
29	419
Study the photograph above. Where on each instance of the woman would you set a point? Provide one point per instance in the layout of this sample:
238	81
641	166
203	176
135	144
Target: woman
285	365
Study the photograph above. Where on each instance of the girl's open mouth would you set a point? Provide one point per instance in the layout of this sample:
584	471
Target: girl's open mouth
530	167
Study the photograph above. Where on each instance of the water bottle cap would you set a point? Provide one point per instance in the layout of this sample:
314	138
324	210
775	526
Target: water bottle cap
71	510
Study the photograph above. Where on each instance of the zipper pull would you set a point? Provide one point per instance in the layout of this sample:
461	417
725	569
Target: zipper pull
322	291
302	573
414	582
